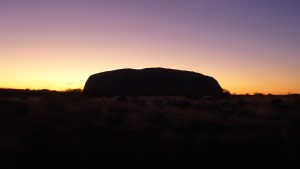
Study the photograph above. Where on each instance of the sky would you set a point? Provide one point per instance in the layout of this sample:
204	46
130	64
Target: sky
249	46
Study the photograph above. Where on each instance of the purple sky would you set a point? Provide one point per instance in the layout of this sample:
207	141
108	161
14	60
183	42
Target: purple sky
247	45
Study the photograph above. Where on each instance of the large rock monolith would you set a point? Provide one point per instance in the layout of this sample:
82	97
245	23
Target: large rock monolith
151	82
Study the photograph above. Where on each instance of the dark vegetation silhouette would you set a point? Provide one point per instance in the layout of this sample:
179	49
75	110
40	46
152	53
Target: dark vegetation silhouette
51	129
7	92
151	82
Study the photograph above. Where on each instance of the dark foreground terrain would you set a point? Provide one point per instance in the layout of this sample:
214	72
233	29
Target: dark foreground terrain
72	131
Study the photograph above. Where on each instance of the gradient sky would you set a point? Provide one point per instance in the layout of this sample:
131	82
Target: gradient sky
247	45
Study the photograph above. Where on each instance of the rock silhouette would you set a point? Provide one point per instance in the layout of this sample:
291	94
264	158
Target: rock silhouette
151	82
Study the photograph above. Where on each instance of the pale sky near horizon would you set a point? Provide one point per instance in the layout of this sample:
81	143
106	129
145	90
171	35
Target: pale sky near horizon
247	45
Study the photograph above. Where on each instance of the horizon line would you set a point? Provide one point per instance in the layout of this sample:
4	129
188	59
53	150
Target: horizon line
81	89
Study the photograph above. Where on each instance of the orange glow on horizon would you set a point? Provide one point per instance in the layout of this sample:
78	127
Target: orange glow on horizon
59	72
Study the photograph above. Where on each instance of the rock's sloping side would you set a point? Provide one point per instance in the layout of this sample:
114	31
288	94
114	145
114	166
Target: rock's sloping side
151	82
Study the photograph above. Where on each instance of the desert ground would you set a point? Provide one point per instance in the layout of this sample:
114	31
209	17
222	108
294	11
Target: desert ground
68	130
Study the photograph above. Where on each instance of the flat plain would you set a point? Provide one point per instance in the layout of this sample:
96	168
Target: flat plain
69	130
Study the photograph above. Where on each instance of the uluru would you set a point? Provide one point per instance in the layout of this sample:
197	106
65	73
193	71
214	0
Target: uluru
151	82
